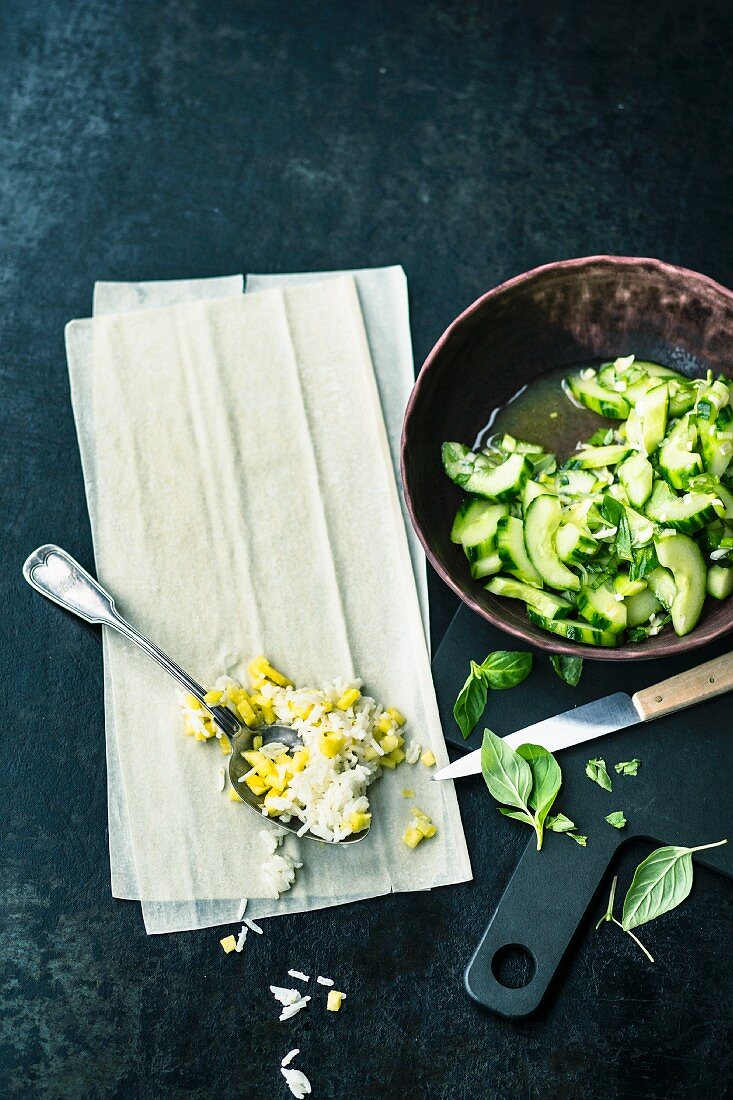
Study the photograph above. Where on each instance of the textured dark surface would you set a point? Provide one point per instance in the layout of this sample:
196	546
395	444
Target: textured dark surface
571	312
469	142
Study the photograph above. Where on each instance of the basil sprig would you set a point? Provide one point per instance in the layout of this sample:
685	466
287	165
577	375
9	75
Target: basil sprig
568	669
614	511
501	669
525	782
661	882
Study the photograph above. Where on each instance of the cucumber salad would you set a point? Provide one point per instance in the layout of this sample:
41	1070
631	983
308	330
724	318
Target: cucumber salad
632	532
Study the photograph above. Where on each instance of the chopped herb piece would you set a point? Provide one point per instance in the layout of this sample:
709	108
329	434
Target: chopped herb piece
617	819
596	770
627	767
568	669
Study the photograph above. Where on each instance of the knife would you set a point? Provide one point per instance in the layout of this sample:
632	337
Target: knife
614	712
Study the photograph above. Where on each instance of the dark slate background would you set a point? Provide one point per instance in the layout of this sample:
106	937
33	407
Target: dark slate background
468	141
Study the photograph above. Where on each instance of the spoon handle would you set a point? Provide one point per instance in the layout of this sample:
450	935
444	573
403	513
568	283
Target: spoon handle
58	577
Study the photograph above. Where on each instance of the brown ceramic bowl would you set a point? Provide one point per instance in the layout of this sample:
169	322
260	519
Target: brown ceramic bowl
562	314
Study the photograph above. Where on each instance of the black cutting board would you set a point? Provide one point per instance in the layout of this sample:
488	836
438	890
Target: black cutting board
681	794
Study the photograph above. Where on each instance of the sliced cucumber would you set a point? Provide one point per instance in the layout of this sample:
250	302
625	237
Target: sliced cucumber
601	608
478	474
677	464
576	483
591	458
681	555
647	422
547	604
574	543
726	497
513	553
682	397
661	584
476	522
486	563
534	489
541	522
626	587
636	475
511	445
573	631
641	607
720	582
589	392
685	514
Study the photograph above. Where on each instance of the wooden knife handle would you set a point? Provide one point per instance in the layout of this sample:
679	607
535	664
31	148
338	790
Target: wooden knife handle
694	686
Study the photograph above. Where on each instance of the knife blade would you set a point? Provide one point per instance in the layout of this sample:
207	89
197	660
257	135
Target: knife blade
584	723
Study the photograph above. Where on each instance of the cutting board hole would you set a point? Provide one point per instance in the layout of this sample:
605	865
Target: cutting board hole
513	966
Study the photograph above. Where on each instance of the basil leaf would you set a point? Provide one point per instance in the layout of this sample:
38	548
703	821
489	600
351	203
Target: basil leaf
596	770
546	780
660	883
608	915
471	701
568	669
506	774
627	767
581	840
645	560
559	823
614	511
503	669
518	815
617	819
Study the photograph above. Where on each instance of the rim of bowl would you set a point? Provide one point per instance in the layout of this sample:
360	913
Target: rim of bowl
628	651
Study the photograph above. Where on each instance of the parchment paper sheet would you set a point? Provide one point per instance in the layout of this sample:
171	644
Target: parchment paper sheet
210	406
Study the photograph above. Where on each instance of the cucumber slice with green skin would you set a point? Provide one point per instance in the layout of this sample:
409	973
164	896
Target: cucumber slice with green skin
641	607
711	399
478	473
573	631
681	555
647	422
719	582
574	544
677	464
682	397
686	514
636	475
576	483
476	522
661	584
513	553
657	370
511	445
535	489
724	494
605	402
547	604
600	607
625	587
591	458
716	442
541	522
486	565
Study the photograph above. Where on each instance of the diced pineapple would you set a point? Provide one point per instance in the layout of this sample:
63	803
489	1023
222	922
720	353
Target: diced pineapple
334	1000
398	717
192	702
261	668
348	699
300	759
412	836
229	944
397	756
385	723
428	758
255	784
247	713
225	744
213	697
331	743
233	796
389	742
359	821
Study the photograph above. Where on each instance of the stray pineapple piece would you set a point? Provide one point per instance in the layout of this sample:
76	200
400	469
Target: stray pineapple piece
192	702
300	759
348	699
428	758
398	717
213	697
387	762
334	999
397	756
229	944
360	820
225	744
370	753
303	710
420	828
407	792
257	742
389	742
412	836
331	743
247	713
233	796
261	668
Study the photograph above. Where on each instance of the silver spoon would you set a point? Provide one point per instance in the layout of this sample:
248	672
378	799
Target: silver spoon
56	575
